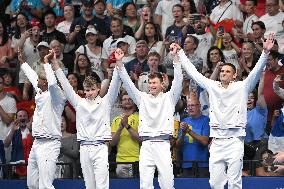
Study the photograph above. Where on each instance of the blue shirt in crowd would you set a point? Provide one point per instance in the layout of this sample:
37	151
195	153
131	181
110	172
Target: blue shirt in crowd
192	149
278	126
35	4
117	4
256	123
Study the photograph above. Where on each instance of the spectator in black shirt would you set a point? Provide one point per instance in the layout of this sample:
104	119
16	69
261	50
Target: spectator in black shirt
139	64
100	7
79	25
51	33
174	32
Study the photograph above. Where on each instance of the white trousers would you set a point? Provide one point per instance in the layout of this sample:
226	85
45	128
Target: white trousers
156	154
226	163
94	163
42	163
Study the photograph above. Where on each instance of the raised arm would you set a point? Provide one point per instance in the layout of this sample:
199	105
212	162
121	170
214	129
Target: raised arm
57	96
176	87
113	88
14	127
216	72
129	86
22	40
255	74
30	73
279	91
189	67
72	97
106	82
260	99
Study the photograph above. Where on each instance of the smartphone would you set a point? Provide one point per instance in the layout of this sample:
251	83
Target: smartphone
221	29
173	39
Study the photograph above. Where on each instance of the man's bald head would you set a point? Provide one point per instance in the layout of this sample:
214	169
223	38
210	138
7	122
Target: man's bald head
193	106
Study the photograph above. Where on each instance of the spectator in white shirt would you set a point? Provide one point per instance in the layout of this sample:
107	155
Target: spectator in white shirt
273	19
226	10
7	111
65	25
250	7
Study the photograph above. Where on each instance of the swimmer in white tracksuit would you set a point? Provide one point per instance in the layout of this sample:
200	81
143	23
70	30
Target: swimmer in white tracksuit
228	116
46	126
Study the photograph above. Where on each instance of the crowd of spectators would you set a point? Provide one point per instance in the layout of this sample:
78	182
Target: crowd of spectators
84	35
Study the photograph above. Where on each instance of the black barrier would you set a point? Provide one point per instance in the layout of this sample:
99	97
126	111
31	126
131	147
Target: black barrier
251	165
9	169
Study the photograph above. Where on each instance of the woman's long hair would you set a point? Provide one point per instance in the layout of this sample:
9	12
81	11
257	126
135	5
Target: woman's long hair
5	36
76	66
17	29
157	35
209	63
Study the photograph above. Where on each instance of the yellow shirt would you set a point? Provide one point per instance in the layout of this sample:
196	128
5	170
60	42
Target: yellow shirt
175	136
127	147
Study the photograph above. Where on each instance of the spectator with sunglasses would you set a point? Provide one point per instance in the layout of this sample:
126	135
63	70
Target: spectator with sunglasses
124	130
129	14
193	139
